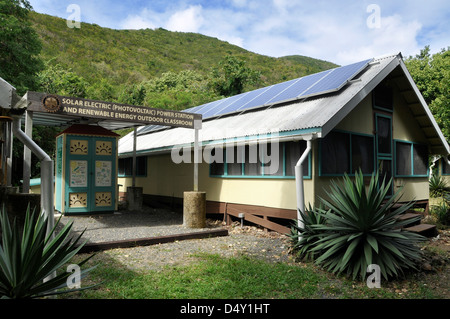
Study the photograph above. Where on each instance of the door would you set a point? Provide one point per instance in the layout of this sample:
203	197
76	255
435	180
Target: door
90	174
383	125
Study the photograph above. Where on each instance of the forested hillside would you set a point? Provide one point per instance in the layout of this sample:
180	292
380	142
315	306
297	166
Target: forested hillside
110	60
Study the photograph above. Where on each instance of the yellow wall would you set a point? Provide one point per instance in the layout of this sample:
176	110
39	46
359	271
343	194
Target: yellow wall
166	178
169	179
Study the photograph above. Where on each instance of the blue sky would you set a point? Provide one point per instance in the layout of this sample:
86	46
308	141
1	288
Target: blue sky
338	31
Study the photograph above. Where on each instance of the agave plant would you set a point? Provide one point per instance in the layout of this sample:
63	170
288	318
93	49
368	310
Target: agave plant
304	237
437	186
362	228
29	260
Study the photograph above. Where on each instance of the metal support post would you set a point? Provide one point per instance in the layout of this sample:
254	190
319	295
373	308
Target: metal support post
27	153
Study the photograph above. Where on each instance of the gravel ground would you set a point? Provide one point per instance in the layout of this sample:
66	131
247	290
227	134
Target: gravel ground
246	240
124	225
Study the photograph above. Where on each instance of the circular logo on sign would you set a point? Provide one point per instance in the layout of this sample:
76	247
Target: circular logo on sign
51	103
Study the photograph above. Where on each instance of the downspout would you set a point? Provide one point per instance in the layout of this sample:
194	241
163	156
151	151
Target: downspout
299	184
47	187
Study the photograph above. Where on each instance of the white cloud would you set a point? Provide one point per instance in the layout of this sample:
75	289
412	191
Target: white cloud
137	22
188	20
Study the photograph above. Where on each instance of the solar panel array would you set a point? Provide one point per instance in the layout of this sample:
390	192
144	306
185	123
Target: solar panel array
308	86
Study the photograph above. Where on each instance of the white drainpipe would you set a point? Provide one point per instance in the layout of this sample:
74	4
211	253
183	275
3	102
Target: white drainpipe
299	183
47	187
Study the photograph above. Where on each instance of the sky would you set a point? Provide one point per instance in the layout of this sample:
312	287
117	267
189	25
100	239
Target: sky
342	31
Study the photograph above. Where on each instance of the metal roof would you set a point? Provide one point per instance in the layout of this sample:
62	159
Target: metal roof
300	119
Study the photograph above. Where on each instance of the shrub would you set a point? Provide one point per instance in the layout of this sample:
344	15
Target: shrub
361	227
305	237
442	213
29	260
437	186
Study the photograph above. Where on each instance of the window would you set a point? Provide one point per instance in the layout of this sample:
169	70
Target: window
445	166
411	159
126	166
262	161
335	154
384	136
383	98
293	151
362	153
345	152
403	159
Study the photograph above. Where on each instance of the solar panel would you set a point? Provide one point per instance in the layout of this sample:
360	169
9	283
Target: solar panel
265	95
336	79
227	102
298	87
311	85
244	99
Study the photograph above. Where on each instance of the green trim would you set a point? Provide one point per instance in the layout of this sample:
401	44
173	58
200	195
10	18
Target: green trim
412	160
385	156
377	115
262	176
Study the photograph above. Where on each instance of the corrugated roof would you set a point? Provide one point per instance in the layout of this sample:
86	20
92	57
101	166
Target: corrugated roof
316	115
84	129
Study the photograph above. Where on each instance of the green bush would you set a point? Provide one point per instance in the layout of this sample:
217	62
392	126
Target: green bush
442	213
437	186
360	227
30	259
304	237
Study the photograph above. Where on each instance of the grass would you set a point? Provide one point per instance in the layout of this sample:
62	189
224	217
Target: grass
216	277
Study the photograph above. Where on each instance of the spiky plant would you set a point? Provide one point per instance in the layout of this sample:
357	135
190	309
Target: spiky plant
304	237
437	186
362	228
29	259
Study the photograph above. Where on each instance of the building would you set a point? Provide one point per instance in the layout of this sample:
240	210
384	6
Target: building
368	115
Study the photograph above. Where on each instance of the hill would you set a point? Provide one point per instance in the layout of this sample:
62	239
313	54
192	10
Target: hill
132	56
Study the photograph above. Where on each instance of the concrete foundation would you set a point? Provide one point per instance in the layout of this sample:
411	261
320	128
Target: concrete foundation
194	209
134	198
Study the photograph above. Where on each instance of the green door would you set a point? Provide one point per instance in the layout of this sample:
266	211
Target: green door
383	124
90	179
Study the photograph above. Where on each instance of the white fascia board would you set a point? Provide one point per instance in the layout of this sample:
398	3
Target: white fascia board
425	107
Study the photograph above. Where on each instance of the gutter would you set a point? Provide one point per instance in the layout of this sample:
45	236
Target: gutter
300	187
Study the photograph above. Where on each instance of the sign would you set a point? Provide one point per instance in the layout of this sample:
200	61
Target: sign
78	173
103	173
78	107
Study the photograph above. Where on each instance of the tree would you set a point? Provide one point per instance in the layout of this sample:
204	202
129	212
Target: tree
431	73
58	80
19	46
232	76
